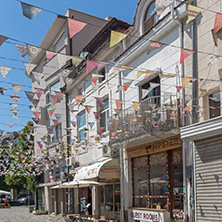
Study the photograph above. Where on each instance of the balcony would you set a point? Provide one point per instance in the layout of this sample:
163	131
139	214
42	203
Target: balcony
151	119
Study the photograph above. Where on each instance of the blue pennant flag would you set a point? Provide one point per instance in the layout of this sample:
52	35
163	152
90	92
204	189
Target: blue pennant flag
30	11
91	124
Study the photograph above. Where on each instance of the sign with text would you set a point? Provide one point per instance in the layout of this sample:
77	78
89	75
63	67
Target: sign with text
155	147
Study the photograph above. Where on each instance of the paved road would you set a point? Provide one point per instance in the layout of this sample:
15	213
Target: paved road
21	214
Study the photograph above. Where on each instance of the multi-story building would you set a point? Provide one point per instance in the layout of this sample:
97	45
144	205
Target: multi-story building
202	139
52	62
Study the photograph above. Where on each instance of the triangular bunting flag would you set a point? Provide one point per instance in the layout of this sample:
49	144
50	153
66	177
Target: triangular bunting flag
35	102
29	67
76	60
74	123
79	99
91	65
16	88
187	109
147	73
58	116
185	81
15	98
50	129
145	92
116	37
23	51
50	55
185	53
91	124
75	26
178	88
2	90
39	92
156	44
33	51
36	114
118	112
2	39
71	106
96	114
29	11
16	117
62	59
136	105
51	111
88	108
54	99
167	76
38	76
30	95
193	11
126	84
31	128
55	121
4	71
118	103
217	23
14	111
202	92
59	96
96	76
13	105
10	125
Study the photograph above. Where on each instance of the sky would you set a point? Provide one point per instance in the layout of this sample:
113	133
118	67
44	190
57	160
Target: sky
15	26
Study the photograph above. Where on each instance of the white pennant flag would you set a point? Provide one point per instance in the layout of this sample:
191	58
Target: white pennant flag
29	67
145	92
4	71
38	76
62	59
16	88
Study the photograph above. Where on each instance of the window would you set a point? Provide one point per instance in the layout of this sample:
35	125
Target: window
57	133
60	42
151	16
214	105
104	115
110	201
53	88
153	97
102	72
81	118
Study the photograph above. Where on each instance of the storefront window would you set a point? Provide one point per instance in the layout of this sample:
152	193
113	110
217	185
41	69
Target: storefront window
140	181
158	181
178	179
85	199
110	201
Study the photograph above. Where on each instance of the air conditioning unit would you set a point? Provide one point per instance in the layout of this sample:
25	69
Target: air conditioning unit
106	150
110	151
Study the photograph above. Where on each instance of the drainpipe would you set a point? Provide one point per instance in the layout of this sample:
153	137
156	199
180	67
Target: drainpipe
194	109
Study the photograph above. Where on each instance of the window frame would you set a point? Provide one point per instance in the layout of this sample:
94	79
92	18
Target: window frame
62	34
81	129
152	17
212	101
105	110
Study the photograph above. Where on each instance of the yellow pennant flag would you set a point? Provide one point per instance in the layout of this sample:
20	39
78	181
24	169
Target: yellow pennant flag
76	60
16	88
193	11
16	117
186	81
140	73
136	105
116	37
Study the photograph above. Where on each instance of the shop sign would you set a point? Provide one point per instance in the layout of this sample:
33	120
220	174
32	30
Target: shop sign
148	216
155	147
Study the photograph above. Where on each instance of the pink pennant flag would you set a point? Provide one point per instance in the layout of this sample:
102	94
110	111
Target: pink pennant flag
75	26
59	96
36	114
118	103
185	53
91	65
39	144
74	123
30	128
54	99
178	88
50	55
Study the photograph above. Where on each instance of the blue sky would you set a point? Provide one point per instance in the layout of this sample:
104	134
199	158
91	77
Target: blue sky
14	25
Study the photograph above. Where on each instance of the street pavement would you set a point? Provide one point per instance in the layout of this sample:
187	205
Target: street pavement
21	214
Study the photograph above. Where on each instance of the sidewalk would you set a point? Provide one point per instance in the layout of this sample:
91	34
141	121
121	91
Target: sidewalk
21	214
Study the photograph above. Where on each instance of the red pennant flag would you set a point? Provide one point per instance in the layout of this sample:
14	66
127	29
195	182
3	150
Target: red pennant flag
74	123
178	88
185	53
40	144
96	114
218	23
118	103
30	128
55	122
75	26
50	129
51	111
118	112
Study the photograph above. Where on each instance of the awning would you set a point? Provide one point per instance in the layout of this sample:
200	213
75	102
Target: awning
4	192
109	168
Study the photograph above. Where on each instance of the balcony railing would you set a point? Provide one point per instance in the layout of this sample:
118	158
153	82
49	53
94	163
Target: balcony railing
150	118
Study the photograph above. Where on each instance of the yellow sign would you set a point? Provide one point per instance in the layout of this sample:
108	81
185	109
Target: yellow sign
155	147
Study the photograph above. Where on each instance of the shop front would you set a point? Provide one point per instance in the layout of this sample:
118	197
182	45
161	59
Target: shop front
97	190
157	181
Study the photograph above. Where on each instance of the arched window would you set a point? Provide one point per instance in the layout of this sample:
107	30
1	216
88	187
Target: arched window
150	17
